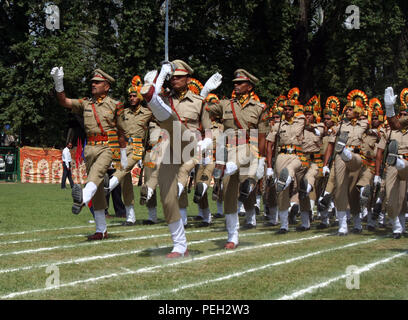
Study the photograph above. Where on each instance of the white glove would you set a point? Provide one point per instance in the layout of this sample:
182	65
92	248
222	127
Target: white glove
389	101
123	158
269	172
317	132
206	160
230	168
213	83
205	144
260	171
377	180
150	76
326	171
58	75
164	72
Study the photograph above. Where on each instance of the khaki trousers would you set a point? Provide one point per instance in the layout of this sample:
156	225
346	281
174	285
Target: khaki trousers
395	190
347	176
97	161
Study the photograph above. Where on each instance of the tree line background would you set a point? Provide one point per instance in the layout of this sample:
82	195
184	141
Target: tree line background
285	43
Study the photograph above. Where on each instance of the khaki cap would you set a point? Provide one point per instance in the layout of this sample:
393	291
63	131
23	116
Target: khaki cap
182	68
243	75
100	75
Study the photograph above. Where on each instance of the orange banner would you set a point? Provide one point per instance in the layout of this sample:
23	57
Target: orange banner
44	165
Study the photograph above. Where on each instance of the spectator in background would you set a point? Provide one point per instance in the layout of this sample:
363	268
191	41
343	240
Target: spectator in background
66	164
9	166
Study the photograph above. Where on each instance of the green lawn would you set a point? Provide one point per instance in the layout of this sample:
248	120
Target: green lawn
38	232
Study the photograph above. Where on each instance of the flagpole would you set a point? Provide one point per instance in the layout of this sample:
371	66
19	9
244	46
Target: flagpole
166	34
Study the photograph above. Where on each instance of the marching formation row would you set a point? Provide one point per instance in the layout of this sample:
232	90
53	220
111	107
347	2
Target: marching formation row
352	160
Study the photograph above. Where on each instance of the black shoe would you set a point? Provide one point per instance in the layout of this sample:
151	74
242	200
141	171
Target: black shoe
143	195
323	205
341	234
370	228
392	154
341	141
128	224
356	231
293	213
335	224
198	218
322	226
198	192
382	226
282	231
203	224
257	211
249	226
218	215
148	222
396	235
270	224
302	228
77	197
283	177
241	213
245	189
303	188
365	196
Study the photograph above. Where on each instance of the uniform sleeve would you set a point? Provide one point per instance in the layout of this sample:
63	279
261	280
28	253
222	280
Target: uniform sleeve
205	118
382	144
263	125
272	133
214	109
78	106
332	134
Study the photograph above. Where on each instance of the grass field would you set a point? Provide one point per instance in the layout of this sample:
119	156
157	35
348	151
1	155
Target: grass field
38	233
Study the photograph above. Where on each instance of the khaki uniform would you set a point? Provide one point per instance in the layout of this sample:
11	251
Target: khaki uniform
189	114
348	173
395	180
368	155
242	153
290	143
98	154
135	122
150	162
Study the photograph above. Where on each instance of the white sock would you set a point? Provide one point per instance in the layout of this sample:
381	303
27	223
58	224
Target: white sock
381	218
401	218
347	154
342	216
309	188
232	223
206	215
348	214
357	222
200	212
283	216
152	214
364	213
273	215
88	192
396	225
258	201
250	217
113	183
178	236
324	215
241	207
100	221
288	182
370	220
312	206
400	164
130	214
183	213
180	189
219	207
305	219
205	188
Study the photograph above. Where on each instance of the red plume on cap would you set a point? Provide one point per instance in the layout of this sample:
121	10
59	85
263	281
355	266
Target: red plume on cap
293	94
195	86
359	97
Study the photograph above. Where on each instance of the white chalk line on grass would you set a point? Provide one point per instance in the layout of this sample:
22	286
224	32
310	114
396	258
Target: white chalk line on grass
241	273
69	228
153	268
113	255
360	270
75	236
28	251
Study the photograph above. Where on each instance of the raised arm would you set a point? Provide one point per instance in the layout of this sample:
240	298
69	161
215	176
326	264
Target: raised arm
58	76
